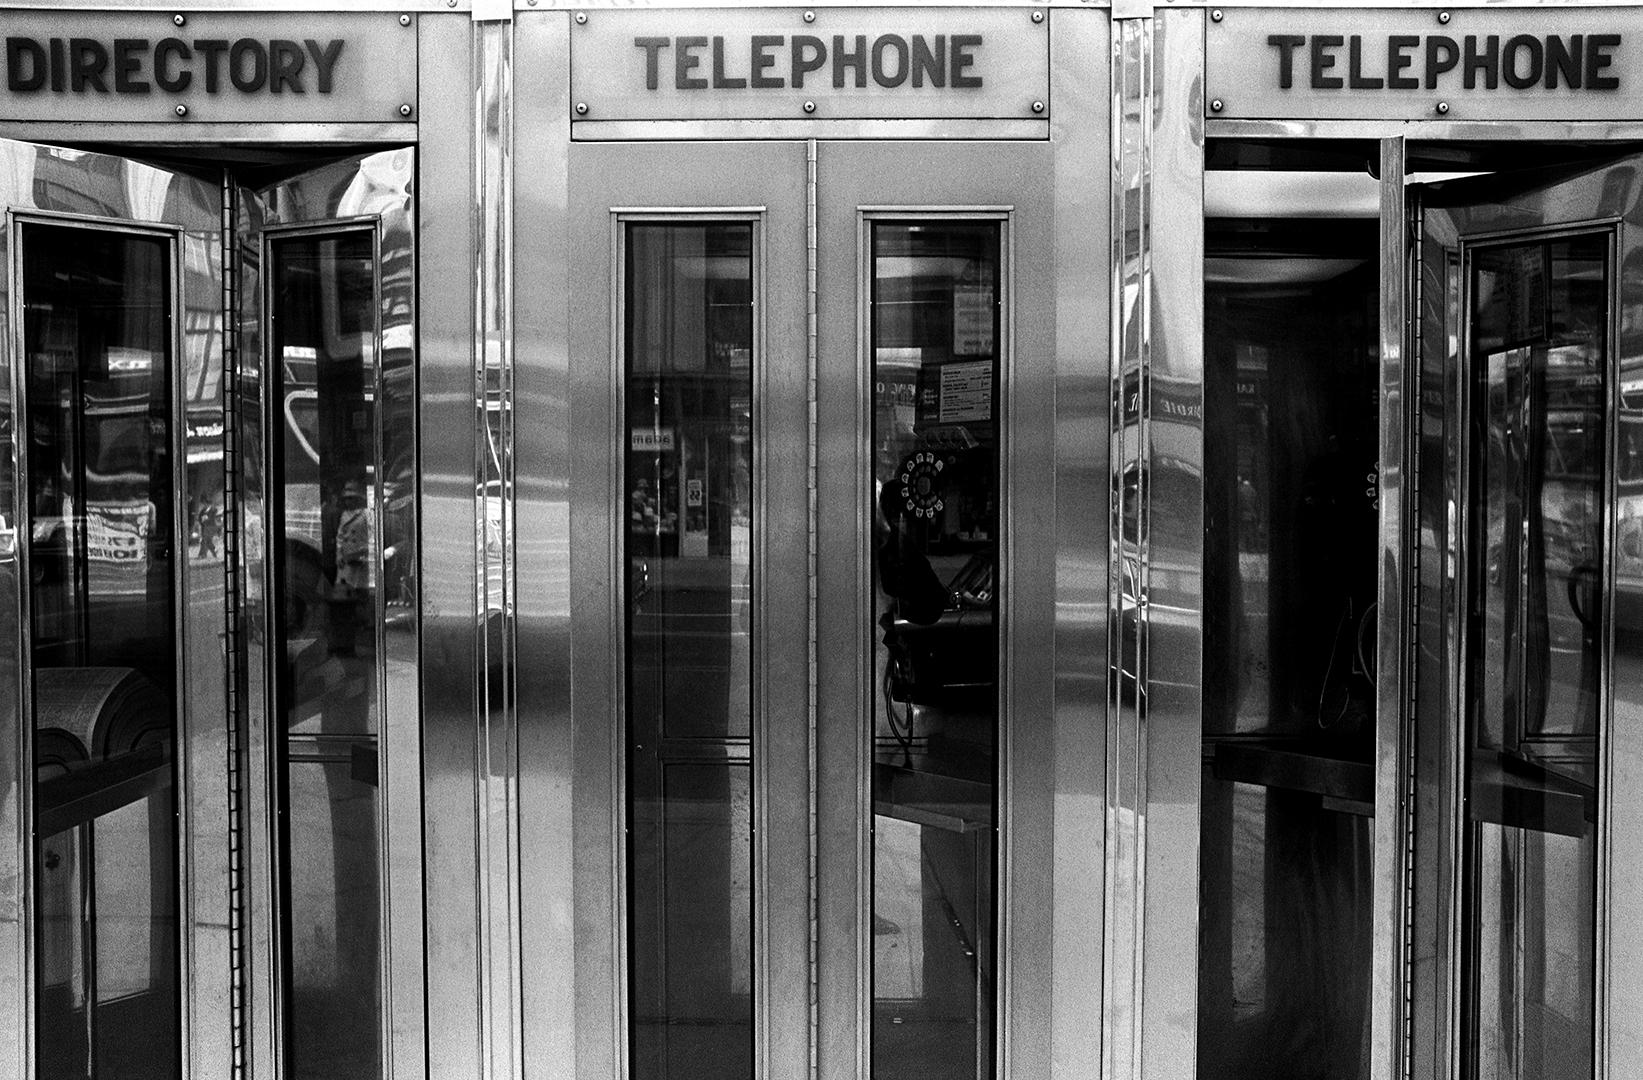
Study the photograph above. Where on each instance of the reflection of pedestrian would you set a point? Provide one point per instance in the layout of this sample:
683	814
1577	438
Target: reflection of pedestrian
210	527
353	578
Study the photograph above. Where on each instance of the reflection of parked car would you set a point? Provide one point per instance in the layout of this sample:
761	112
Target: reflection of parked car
948	662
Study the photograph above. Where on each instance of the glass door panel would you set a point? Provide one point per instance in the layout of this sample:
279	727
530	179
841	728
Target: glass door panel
1539	360
688	355
98	310
936	313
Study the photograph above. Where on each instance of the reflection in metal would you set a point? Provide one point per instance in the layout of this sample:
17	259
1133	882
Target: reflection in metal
501	1023
1129	292
1389	1003
1080	48
812	356
1156	409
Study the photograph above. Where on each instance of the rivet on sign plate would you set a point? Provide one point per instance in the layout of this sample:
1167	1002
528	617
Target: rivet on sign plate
1217	105
405	110
405	20
581	18
1443	17
178	20
1443	108
1217	15
810	106
181	110
1038	106
581	108
1038	16
810	16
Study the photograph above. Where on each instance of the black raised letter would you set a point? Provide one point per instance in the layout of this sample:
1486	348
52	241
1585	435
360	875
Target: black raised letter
842	60
804	64
721	81
930	62
1488	61
684	63
87	62
259	65
325	60
163	52
1286	44
653	47
285	61
888	43
1598	58
1354	67
1508	56
16	49
761	59
127	63
212	49
962	58
1442	54
1322	61
1398	58
1563	60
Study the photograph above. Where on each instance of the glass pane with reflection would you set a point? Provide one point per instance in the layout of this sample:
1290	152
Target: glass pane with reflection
1539	351
101	608
322	322
936	342
688	345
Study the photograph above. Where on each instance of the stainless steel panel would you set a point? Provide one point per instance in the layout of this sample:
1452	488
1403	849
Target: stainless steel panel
1386	1003
16	741
1079	62
1336	63
213	67
501	1025
736	180
1172	597
446	303
950	63
542	457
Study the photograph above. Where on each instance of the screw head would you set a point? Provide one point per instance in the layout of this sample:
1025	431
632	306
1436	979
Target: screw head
1443	17
581	18
405	20
405	110
810	106
581	108
450	3
1443	108
178	20
1038	16
1038	106
1216	105
810	16
1217	15
181	110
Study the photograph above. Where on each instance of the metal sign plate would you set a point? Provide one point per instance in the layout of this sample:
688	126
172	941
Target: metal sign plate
204	67
923	63
1523	63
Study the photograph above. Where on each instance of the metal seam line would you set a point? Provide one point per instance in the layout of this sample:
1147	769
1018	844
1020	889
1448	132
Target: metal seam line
1124	889
233	671
500	1037
1414	273
812	560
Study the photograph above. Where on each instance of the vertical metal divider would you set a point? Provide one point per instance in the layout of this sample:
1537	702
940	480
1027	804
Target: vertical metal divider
17	902
501	1024
234	653
812	590
1389	1001
1125	890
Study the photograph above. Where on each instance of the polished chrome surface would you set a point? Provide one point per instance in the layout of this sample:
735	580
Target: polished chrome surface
542	465
501	1023
1388	1002
448	194
1129	293
1080	54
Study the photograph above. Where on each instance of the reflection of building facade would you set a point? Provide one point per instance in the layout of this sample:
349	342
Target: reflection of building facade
662	540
